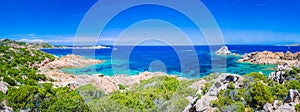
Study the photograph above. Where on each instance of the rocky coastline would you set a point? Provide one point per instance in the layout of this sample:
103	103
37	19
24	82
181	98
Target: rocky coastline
268	57
108	84
201	101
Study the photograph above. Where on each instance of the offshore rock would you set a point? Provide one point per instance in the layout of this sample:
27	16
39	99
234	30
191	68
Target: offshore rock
223	51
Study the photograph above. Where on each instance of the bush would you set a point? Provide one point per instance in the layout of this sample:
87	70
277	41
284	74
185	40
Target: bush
235	107
257	76
2	96
293	84
230	85
279	91
207	87
161	93
297	107
10	81
40	99
259	94
89	92
64	100
31	82
122	87
210	77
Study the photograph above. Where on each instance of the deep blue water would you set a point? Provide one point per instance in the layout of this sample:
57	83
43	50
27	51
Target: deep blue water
184	61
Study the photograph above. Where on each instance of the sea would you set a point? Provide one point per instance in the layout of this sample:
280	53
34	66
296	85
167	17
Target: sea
184	61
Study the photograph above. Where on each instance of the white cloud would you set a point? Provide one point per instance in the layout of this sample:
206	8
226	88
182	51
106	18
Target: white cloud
32	40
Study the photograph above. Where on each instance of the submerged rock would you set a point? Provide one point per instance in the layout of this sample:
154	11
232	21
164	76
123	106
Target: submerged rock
223	51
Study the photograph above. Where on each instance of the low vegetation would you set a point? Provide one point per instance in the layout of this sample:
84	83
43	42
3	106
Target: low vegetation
156	94
24	90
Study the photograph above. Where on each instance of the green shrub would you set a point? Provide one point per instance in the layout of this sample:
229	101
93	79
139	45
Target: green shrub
161	93
210	77
258	95
207	87
44	99
230	85
293	84
279	91
31	82
297	107
2	96
10	81
122	87
257	76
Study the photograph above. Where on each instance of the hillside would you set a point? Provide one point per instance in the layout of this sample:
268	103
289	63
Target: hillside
20	84
19	44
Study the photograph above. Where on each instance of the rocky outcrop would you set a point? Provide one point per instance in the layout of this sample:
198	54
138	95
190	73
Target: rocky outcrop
223	51
4	107
286	108
280	75
276	104
69	61
268	107
220	83
291	96
3	87
108	84
268	57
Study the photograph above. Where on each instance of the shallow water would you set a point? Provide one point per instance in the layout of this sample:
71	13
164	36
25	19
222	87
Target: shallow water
184	61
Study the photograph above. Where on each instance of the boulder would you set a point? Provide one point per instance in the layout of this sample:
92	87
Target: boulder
3	87
292	94
268	107
279	75
276	104
199	84
289	56
73	86
223	51
285	108
201	106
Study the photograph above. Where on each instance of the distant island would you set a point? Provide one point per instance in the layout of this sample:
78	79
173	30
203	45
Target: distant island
292	45
45	45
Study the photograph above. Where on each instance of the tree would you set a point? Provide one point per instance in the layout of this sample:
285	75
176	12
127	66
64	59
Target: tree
259	94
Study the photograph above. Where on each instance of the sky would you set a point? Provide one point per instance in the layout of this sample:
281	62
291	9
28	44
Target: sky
274	22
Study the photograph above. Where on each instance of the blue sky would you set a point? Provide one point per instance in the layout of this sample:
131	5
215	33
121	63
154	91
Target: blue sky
241	21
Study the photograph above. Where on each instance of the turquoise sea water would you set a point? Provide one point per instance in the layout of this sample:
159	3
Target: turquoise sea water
179	60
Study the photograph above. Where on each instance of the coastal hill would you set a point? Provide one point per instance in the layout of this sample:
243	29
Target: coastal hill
31	80
20	44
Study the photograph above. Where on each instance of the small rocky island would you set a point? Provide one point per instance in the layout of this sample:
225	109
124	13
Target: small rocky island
223	51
